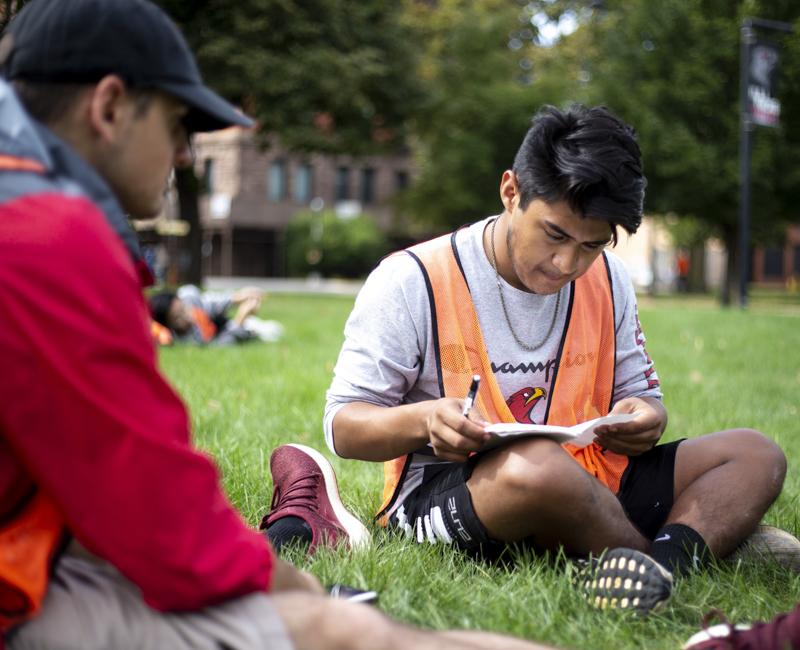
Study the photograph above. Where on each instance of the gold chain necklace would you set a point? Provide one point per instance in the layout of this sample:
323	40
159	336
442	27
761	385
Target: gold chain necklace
520	343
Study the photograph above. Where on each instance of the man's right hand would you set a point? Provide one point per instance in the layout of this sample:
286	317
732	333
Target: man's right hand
379	433
452	435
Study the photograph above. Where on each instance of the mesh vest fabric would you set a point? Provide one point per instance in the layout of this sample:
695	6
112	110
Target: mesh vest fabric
584	378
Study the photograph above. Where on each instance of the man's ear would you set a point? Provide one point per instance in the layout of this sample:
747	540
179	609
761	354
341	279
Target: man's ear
109	108
509	193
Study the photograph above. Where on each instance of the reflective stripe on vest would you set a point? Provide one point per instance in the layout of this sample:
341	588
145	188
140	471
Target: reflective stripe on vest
583	384
13	163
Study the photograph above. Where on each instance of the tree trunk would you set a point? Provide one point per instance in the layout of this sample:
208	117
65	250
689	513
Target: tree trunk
697	268
188	187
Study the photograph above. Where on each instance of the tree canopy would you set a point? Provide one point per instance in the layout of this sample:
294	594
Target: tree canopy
459	80
479	102
327	75
671	68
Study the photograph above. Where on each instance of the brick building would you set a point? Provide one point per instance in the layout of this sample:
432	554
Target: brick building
251	194
780	263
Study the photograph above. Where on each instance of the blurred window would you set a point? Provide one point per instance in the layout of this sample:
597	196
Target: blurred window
303	179
367	185
773	262
208	176
342	183
401	179
276	181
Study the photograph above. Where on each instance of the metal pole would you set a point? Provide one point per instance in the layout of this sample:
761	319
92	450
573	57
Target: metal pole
745	145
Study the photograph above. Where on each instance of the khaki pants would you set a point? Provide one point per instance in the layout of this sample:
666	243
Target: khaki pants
91	606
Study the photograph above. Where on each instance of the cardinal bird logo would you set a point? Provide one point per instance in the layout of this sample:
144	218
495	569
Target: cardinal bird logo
522	402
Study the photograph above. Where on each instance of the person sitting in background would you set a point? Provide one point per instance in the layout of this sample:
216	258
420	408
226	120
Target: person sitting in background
196	317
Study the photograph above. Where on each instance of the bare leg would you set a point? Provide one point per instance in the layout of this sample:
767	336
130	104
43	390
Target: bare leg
472	639
320	623
547	495
724	483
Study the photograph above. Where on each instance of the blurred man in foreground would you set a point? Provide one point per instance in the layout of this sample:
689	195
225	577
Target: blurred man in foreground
115	531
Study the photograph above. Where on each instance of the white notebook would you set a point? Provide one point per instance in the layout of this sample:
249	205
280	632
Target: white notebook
580	434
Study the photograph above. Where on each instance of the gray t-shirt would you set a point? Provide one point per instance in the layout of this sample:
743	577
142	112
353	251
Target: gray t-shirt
388	357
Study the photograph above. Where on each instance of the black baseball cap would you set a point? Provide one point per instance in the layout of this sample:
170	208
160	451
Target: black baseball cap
81	41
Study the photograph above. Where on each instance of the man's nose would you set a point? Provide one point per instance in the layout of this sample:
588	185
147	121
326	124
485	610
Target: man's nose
566	260
184	154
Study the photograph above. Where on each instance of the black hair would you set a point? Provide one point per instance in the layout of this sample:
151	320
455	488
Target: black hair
48	102
587	157
159	306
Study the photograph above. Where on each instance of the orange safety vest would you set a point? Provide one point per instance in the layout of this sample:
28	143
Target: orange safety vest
15	164
206	326
583	383
28	544
30	538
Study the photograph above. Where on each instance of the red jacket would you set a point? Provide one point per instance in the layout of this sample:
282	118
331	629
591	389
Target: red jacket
84	411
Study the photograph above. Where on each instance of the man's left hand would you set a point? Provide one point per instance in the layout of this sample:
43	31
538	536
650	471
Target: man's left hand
637	436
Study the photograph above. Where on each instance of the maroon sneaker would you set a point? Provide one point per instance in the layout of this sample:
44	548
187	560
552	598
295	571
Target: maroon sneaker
781	633
304	486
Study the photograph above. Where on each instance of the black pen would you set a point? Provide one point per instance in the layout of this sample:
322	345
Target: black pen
471	395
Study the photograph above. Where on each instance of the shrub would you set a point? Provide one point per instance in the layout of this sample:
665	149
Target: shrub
321	242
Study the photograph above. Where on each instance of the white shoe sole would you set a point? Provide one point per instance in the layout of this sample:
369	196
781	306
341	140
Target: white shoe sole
357	533
719	631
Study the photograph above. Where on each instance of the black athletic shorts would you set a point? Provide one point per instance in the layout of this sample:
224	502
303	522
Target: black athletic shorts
441	506
647	488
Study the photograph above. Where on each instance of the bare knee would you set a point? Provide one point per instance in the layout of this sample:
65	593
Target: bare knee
319	622
752	463
540	469
763	453
753	450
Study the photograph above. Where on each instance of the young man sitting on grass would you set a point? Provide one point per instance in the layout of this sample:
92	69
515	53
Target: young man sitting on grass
532	302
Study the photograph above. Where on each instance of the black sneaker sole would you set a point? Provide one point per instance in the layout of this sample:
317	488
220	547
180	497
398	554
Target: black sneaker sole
625	579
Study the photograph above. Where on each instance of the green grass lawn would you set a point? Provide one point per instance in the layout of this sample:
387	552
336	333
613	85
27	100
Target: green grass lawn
718	369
